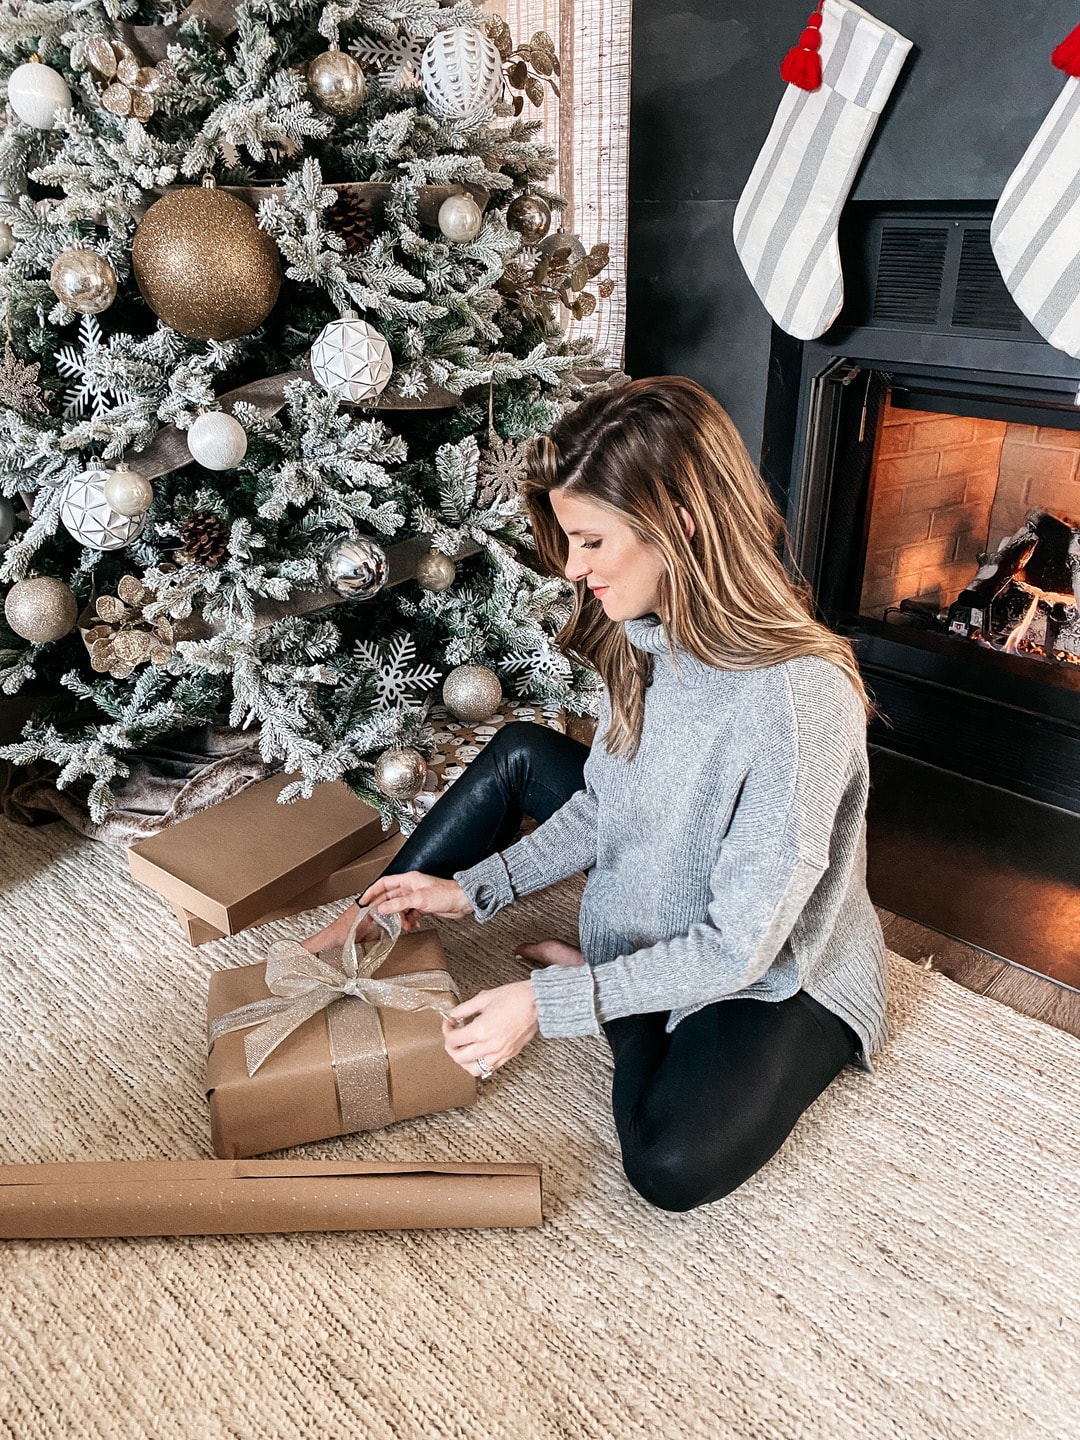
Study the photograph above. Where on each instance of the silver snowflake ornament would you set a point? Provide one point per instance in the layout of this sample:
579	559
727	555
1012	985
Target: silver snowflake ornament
395	676
19	388
88	366
392	62
502	469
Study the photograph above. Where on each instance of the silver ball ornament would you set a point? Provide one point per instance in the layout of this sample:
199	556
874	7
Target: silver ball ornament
41	609
83	280
460	218
435	571
336	83
530	217
472	693
400	774
88	516
351	360
128	492
38	94
7	519
216	440
356	567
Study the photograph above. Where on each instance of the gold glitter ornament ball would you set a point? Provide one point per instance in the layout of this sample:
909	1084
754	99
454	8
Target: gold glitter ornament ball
41	609
472	693
204	266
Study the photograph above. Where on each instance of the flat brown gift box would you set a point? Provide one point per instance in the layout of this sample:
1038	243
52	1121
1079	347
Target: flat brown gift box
344	884
232	864
260	1197
293	1099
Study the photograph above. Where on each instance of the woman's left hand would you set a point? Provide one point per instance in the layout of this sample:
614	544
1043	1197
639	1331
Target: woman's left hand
494	1025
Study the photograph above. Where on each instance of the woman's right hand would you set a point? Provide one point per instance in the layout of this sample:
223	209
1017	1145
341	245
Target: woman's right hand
412	894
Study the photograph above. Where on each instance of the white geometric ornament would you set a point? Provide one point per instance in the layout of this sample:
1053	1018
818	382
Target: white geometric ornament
351	360
461	72
91	519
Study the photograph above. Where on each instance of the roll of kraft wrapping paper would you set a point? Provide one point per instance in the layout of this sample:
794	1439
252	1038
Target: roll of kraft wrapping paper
99	1199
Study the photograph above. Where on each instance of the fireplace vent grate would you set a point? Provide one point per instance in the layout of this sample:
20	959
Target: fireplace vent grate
910	272
982	301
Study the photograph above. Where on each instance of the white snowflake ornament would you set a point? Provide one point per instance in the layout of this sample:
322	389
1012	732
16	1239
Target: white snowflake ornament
88	366
351	360
392	63
91	519
393	672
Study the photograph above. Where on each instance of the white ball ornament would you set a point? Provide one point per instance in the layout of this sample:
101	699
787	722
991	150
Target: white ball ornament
217	441
461	72
128	492
89	517
38	93
351	360
460	218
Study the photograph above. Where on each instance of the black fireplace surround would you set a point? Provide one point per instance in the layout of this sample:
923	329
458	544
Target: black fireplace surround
928	320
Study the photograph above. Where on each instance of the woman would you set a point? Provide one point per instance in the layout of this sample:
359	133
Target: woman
729	950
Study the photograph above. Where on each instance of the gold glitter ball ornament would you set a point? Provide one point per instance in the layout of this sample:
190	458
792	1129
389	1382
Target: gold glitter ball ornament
530	217
472	693
203	265
436	571
400	774
336	83
83	280
40	609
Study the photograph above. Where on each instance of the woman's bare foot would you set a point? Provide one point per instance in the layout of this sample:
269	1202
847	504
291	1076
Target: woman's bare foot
549	952
335	934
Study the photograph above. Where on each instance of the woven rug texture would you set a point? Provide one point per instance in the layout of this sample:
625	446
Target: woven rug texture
908	1268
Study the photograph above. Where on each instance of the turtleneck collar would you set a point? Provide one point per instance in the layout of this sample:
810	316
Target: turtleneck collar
646	632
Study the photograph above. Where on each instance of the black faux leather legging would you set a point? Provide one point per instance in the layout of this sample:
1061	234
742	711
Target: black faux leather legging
697	1111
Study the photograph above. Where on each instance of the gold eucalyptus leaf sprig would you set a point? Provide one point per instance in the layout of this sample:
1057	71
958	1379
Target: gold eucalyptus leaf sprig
557	277
526	68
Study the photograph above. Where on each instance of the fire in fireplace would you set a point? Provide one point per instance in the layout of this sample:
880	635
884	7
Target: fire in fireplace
945	550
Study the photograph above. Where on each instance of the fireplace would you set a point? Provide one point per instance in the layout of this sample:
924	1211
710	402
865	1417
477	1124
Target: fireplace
932	481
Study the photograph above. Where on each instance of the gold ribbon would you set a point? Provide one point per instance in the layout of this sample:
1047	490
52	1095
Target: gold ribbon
303	984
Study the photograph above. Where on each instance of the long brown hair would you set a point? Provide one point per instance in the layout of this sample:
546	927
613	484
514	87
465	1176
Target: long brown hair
641	451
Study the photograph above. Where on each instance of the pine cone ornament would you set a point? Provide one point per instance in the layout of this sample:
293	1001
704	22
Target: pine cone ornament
205	539
351	218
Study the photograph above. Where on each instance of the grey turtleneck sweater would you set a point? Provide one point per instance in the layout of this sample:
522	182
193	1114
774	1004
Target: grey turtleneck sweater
727	858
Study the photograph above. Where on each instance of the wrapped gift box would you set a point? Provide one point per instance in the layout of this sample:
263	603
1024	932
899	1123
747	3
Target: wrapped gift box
344	884
244	858
321	1081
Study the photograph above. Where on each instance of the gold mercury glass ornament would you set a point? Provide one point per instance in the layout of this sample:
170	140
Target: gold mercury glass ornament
400	774
336	83
83	280
435	571
460	218
203	265
530	217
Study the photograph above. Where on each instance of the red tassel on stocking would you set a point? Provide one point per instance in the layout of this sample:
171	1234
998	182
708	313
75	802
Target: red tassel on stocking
801	66
1067	55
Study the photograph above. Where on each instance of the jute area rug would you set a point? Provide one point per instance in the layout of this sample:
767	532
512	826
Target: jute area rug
908	1267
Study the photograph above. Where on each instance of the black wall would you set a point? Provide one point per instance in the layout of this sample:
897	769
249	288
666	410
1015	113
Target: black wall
705	85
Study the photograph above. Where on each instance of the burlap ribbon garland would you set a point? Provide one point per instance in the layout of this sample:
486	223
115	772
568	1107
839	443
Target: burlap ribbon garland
303	984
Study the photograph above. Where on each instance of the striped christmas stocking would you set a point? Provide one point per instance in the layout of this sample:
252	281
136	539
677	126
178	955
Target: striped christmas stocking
1035	232
840	75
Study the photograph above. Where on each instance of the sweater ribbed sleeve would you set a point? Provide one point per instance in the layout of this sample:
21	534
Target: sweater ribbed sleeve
564	844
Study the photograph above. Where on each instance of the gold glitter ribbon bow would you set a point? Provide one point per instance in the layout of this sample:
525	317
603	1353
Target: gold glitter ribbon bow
303	984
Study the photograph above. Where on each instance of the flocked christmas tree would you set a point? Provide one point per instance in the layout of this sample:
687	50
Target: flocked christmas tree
282	309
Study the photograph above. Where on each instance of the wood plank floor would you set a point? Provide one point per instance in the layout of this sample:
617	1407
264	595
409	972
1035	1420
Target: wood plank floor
1023	990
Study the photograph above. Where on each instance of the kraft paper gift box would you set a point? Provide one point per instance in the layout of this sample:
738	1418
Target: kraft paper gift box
243	858
344	884
353	1064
